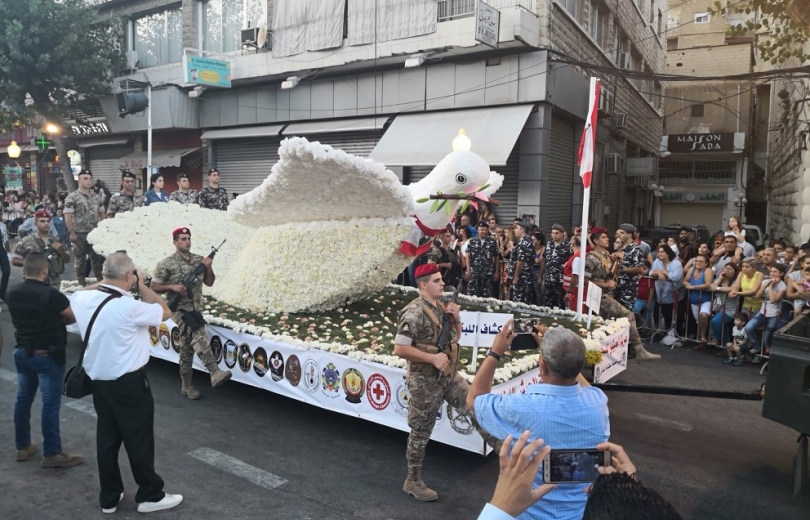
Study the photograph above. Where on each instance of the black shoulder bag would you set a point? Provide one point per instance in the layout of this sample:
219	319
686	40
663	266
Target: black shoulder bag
77	383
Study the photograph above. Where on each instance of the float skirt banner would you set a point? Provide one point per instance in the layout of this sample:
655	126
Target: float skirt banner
614	356
207	71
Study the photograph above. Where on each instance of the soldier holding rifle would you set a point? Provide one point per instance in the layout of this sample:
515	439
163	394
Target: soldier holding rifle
432	374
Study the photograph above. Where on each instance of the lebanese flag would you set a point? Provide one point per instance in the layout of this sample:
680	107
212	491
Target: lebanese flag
588	141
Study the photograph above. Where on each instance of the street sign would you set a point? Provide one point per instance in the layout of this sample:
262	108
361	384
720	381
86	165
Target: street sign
487	25
207	71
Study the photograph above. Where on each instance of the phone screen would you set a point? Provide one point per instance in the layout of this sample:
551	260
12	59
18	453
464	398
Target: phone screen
525	325
573	465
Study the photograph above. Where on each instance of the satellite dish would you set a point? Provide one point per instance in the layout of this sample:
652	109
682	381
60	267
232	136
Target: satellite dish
261	37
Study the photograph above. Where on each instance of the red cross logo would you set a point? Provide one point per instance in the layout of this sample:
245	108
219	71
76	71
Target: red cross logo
378	392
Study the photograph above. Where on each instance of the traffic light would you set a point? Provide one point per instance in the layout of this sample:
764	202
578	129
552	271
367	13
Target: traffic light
131	103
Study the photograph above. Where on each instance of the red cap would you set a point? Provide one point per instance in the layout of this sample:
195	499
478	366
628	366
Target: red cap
426	270
181	231
42	214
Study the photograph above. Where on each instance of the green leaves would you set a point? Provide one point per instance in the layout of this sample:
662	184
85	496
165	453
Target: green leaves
422	200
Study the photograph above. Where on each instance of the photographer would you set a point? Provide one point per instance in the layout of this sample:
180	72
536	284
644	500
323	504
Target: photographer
117	352
43	242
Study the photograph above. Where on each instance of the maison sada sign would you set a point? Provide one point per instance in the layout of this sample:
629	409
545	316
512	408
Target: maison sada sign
695	143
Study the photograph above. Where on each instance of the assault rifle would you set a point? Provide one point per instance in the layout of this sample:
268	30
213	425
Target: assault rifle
191	279
447	329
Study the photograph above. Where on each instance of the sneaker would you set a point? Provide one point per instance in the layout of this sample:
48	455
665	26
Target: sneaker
729	361
757	360
23	455
112	509
62	460
168	502
737	363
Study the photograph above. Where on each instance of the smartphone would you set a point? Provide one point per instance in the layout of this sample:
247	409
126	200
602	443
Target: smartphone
525	325
573	466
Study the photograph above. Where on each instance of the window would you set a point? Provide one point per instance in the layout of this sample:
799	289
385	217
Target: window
658	102
225	19
702	17
158	38
596	23
618	46
570	6
697	110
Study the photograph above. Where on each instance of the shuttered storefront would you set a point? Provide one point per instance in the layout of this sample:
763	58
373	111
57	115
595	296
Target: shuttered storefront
356	143
709	215
561	174
104	162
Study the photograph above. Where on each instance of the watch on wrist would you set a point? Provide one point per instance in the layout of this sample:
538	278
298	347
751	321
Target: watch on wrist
493	354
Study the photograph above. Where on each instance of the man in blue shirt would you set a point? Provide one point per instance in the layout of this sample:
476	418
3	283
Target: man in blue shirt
564	410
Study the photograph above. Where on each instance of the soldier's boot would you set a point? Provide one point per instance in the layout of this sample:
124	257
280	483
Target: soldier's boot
187	389
218	376
644	355
82	281
416	488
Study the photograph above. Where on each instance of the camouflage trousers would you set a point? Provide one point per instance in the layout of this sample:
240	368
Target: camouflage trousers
425	403
553	294
82	249
193	342
480	286
524	291
610	308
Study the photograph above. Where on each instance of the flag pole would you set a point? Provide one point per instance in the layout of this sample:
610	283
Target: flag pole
586	153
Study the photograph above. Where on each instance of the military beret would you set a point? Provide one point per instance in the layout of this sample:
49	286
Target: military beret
182	176
524	225
42	214
483	223
558	227
599	230
426	270
181	231
126	174
628	228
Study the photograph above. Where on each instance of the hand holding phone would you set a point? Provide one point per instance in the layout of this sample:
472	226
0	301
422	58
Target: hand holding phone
574	466
525	325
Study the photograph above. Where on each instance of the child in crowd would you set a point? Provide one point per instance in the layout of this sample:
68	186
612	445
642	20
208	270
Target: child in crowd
739	341
644	298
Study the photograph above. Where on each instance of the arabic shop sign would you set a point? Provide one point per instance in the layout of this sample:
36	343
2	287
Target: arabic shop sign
13	177
696	143
90	129
487	25
695	197
207	71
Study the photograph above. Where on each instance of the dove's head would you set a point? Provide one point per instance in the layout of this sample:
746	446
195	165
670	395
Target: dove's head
459	171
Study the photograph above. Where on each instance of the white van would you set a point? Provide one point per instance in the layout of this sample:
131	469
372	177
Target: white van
754	235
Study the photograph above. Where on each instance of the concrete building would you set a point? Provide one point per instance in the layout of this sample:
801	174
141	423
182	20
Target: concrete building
350	87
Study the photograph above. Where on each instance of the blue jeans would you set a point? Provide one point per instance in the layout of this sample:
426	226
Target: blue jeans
755	323
721	325
42	372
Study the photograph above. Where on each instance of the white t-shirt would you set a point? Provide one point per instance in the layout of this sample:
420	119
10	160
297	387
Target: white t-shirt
576	266
771	309
119	342
738	335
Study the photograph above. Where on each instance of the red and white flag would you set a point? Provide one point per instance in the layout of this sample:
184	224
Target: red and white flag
588	141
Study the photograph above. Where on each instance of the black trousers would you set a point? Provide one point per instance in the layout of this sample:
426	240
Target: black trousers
126	413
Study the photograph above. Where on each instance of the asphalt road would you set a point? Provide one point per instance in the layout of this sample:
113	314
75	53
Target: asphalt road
713	459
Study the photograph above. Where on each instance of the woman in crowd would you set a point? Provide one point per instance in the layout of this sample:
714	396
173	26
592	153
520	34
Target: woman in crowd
506	246
773	291
155	192
463	235
747	286
698	282
669	273
703	249
539	240
725	306
447	256
735	228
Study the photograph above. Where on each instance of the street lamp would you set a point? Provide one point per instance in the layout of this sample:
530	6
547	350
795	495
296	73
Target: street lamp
52	128
740	204
14	150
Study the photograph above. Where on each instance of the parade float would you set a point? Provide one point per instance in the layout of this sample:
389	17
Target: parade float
303	306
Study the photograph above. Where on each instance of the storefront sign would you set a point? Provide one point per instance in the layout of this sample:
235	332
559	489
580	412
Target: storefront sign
692	197
487	25
90	129
696	143
640	166
13	176
207	71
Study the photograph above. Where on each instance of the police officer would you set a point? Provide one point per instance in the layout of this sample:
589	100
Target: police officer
483	264
212	196
601	268
417	335
183	194
632	266
521	264
558	250
124	200
43	242
83	211
168	276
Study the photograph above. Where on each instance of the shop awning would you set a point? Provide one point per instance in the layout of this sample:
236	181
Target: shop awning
343	125
247	131
160	158
424	139
112	141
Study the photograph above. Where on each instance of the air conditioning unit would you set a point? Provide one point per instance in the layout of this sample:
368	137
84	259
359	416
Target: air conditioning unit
620	119
625	60
132	60
255	37
605	102
612	163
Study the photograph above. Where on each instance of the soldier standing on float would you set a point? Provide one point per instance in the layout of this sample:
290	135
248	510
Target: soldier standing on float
418	332
558	251
124	200
168	276
600	267
39	242
520	266
214	197
632	266
483	264
184	195
83	210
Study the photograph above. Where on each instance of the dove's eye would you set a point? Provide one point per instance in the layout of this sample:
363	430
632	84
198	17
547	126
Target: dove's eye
461	178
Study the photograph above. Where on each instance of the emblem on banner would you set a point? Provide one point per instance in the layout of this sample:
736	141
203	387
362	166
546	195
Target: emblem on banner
165	337
153	335
292	371
230	354
260	362
402	396
459	422
354	384
245	358
176	338
312	375
330	381
378	392
216	348
277	366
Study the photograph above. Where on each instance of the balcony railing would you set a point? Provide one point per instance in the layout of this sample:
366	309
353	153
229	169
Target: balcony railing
451	9
689	173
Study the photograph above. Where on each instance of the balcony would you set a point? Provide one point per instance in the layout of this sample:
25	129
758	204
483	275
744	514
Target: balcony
453	9
697	173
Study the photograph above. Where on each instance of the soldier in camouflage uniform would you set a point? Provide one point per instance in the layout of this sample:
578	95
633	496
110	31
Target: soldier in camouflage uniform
632	266
417	335
558	251
601	268
214	197
126	199
483	264
83	210
39	242
167	278
521	264
184	195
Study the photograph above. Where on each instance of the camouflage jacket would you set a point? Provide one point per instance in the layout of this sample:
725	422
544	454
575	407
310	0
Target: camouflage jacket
173	269
214	198
415	326
189	197
556	257
34	244
523	252
85	210
483	252
597	267
627	286
120	202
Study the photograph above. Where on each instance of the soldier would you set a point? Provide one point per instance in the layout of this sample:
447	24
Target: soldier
125	200
520	265
184	195
632	266
168	276
417	335
557	253
214	197
602	271
482	268
83	210
41	241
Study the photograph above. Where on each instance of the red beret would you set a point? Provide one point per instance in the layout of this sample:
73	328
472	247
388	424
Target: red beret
598	230
42	214
181	231
426	270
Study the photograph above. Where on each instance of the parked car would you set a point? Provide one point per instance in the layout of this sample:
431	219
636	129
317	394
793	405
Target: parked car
651	235
754	235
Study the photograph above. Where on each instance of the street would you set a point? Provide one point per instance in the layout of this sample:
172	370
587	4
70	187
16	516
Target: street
241	452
